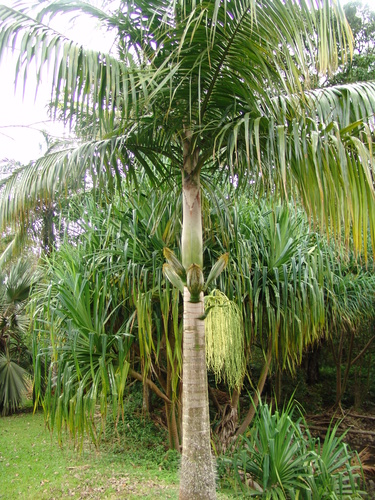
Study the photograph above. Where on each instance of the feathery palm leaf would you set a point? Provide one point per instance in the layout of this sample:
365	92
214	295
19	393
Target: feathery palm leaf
228	72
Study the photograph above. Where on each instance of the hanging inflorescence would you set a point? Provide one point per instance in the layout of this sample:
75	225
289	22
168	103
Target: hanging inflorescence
225	352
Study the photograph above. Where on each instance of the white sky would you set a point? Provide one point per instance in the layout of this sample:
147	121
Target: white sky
22	119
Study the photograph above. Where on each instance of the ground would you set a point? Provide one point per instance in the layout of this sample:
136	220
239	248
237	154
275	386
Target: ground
34	466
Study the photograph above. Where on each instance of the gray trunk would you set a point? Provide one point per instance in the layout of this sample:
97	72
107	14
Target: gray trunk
197	480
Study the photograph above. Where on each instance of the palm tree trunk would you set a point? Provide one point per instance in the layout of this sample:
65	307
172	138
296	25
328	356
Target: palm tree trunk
197	481
262	380
197	471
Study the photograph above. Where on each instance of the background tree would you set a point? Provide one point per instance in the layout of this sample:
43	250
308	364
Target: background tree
108	284
349	309
361	68
275	277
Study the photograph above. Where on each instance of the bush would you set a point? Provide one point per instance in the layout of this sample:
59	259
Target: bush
279	459
135	431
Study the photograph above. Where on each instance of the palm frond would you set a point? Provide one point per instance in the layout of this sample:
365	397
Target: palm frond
318	148
82	79
14	382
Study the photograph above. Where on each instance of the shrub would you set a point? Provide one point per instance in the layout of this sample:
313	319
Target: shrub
279	459
134	431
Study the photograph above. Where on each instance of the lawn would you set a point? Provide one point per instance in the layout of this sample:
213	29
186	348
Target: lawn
32	465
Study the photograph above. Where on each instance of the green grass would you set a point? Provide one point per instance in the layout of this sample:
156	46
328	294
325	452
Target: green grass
136	465
32	465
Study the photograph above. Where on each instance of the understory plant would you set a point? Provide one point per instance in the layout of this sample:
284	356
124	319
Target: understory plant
279	459
103	314
15	357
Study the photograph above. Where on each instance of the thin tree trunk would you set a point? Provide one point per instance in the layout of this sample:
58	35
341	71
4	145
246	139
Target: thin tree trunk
48	234
175	436
197	479
170	412
226	429
168	406
150	383
338	361
262	380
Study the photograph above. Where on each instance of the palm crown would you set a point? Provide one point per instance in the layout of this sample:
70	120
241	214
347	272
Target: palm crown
224	83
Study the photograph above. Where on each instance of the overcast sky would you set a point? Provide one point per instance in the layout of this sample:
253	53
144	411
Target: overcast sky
22	118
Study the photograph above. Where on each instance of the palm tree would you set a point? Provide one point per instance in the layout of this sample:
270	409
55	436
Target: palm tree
15	357
203	88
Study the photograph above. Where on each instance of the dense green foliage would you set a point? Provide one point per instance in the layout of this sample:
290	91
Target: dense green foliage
217	91
105	314
361	67
101	298
15	353
279	459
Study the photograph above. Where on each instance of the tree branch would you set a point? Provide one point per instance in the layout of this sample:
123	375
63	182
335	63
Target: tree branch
151	384
363	351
